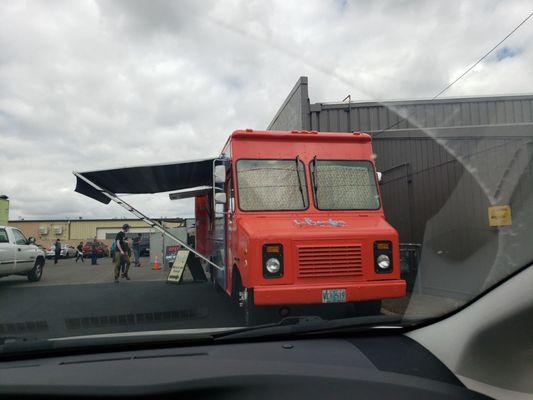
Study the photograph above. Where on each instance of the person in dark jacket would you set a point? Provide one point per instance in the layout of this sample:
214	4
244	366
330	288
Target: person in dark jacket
57	250
94	253
79	252
120	254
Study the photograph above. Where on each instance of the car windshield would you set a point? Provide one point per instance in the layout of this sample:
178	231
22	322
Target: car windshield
344	185
271	185
239	163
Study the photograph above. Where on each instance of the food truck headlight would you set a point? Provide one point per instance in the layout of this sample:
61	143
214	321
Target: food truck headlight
273	265
272	261
383	257
383	261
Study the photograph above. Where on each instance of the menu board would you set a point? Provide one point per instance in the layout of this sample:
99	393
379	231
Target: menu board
178	266
170	254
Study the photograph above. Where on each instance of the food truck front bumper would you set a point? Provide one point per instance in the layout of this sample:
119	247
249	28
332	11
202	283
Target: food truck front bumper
337	293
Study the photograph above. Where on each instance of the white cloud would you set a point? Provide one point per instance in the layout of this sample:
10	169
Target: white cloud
89	85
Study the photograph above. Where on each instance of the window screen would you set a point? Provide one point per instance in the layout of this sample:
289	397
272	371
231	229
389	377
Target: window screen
344	185
271	185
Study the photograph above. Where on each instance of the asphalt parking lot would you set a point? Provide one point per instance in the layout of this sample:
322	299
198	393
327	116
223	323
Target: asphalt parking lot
78	299
69	272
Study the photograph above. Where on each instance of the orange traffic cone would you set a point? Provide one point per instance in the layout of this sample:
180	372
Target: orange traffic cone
156	264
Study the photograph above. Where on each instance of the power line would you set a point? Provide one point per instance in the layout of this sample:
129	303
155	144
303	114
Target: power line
463	74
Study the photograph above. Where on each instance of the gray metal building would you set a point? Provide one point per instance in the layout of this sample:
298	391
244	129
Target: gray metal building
444	163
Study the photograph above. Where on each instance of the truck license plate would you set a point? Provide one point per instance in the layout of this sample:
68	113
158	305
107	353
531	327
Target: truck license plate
334	296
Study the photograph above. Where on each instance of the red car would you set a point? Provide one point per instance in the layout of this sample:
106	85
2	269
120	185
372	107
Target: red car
101	249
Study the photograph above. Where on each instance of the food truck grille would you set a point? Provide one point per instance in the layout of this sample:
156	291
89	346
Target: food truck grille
319	261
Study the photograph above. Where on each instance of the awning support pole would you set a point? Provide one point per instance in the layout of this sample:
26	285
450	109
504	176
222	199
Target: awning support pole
152	223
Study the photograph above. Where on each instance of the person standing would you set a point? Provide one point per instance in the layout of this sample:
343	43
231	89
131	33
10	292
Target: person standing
57	250
120	254
79	253
125	265
136	245
94	253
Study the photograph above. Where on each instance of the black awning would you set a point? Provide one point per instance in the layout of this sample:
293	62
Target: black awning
147	179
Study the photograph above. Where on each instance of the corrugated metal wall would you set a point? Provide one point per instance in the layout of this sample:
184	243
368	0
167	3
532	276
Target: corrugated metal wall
372	117
419	156
294	112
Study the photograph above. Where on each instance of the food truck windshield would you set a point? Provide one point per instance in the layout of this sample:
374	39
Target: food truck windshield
277	185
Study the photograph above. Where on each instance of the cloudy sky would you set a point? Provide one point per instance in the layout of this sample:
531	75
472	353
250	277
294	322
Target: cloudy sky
99	84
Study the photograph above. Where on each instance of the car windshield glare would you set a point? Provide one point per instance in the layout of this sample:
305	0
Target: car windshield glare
345	185
270	185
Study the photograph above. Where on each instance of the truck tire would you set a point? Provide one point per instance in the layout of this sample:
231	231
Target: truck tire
243	298
35	274
250	311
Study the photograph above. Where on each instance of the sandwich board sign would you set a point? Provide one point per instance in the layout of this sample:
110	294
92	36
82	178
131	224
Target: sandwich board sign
178	266
184	258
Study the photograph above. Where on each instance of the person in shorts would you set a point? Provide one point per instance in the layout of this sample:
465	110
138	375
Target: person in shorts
125	266
136	245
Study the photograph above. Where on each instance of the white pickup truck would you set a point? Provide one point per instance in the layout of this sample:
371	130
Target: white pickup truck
20	256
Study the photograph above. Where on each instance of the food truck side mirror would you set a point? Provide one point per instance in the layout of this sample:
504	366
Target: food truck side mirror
220	174
220	198
380	175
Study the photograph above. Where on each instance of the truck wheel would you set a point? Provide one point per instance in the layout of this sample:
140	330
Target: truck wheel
35	274
246	302
244	298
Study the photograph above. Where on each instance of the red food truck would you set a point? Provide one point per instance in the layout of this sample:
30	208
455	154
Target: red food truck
282	218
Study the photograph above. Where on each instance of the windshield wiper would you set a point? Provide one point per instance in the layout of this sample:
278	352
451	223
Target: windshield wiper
11	348
314	178
297	159
313	324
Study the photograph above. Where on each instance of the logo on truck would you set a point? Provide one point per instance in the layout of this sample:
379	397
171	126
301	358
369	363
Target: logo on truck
330	222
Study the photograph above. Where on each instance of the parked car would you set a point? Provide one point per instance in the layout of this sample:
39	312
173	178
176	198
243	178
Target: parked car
68	251
101	249
50	252
20	256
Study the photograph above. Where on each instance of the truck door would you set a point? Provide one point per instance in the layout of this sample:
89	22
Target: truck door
7	253
24	253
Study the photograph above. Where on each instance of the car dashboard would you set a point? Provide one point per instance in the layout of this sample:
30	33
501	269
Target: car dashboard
362	367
